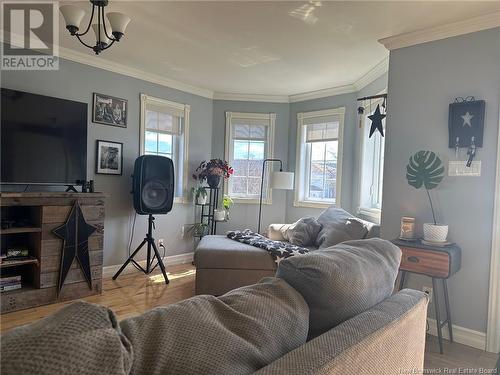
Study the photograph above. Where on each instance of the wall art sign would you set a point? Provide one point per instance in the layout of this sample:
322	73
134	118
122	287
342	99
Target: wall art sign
466	122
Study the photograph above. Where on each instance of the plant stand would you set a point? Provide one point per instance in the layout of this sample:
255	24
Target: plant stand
207	211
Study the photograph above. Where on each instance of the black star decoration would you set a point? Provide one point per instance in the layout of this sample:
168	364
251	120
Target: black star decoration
376	118
75	233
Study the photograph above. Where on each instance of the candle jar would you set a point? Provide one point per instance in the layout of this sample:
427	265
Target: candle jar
408	228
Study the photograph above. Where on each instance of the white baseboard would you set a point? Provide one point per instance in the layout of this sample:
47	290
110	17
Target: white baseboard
461	335
171	260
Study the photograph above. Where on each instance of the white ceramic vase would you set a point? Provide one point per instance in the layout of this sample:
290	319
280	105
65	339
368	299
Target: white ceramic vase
435	232
220	215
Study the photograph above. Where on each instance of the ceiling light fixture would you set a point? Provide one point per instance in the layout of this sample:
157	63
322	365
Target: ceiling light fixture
73	16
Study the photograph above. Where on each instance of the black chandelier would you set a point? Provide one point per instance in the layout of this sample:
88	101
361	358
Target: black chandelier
105	35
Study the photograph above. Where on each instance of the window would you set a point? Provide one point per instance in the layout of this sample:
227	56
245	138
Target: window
319	157
371	167
249	140
164	132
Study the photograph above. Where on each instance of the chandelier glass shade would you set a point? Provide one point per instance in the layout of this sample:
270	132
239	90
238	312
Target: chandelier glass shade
105	34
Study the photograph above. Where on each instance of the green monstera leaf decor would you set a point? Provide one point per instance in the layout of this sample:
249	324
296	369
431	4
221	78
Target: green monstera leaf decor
424	169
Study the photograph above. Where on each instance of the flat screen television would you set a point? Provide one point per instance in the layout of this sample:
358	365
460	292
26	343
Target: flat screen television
43	139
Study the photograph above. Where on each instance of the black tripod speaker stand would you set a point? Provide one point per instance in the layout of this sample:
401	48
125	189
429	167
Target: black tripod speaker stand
150	241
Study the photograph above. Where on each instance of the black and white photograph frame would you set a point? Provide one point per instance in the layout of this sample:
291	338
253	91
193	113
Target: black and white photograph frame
109	157
109	110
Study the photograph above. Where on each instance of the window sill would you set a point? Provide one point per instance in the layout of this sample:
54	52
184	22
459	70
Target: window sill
373	214
251	201
313	204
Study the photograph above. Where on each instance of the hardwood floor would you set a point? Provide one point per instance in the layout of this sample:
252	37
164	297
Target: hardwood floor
134	293
131	294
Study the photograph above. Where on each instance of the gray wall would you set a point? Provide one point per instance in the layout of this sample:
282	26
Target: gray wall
423	80
246	215
77	82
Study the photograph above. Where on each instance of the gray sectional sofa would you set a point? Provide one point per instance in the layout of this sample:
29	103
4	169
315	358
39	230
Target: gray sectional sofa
223	264
328	312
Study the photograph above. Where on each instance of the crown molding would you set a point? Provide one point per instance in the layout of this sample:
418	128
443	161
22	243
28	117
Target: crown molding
251	97
339	90
484	22
376	72
99	62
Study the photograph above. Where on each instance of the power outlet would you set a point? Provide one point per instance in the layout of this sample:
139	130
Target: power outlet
161	242
427	290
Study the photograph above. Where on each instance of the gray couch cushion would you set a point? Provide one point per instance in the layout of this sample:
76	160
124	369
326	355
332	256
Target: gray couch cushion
237	333
342	281
303	232
221	252
81	338
338	226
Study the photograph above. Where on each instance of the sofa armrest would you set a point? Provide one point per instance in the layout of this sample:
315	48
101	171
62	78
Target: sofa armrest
389	338
275	231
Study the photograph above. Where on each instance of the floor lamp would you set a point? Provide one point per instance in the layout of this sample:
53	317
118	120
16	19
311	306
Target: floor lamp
279	180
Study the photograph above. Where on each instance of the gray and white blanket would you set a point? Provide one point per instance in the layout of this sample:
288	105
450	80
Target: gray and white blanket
279	250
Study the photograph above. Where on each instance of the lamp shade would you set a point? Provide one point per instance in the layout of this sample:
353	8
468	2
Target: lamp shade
72	15
118	21
282	180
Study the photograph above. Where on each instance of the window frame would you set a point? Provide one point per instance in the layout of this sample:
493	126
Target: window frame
302	159
186	108
372	213
268	153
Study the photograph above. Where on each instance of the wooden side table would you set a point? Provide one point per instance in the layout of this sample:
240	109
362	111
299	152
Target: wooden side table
437	262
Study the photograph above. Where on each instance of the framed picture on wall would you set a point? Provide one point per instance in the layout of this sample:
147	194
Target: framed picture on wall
109	110
109	157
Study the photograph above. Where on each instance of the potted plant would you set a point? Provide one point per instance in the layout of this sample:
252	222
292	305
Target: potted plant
426	170
227	203
223	214
212	171
200	195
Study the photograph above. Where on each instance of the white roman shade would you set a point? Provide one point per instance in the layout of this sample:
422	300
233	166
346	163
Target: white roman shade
322	129
160	116
250	131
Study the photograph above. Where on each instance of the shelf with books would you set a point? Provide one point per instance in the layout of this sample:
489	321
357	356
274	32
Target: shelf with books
18	262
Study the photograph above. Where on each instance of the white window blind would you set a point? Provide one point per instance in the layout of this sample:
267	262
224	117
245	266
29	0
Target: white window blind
322	129
250	131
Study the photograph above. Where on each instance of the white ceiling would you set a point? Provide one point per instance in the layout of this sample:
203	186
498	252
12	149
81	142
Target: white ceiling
269	48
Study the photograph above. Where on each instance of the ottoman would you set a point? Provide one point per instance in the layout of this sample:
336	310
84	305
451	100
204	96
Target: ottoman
223	264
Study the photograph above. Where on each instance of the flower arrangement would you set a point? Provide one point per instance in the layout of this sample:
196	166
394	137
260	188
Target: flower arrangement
213	167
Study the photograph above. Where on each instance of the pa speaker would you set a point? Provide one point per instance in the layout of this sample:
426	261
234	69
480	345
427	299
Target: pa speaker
153	184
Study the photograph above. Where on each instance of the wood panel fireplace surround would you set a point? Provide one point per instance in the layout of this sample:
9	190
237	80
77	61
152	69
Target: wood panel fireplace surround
28	221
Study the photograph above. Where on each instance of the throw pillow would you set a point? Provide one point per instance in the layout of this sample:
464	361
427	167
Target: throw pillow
81	338
338	226
237	333
342	281
303	232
